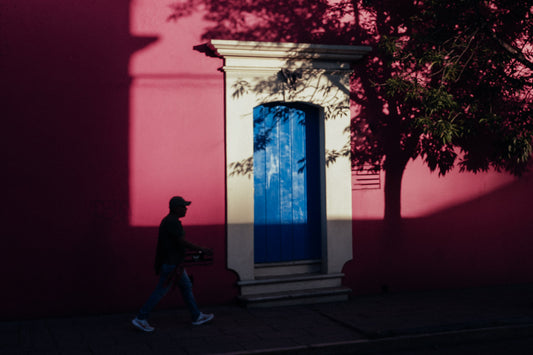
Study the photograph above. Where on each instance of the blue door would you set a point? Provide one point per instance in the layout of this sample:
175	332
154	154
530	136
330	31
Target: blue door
286	183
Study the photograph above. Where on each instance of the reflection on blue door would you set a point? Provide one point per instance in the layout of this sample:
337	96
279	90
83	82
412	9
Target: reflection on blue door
286	183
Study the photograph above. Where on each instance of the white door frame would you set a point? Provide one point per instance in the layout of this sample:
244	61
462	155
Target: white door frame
261	72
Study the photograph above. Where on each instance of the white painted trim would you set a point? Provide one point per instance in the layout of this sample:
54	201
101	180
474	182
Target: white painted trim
322	66
277	50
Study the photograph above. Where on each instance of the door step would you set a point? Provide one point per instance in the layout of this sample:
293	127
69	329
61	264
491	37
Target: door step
288	268
293	289
288	298
289	283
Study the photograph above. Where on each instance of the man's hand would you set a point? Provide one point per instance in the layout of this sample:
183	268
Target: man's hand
191	246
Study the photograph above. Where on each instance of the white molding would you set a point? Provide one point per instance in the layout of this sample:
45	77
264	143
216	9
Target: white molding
241	49
257	63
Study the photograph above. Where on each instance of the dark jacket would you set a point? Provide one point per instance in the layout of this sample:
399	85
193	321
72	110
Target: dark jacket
170	249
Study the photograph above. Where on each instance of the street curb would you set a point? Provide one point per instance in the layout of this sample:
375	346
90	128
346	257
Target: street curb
405	342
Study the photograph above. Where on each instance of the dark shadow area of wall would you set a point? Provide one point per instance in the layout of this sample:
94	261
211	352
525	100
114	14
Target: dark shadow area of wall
66	143
67	245
485	241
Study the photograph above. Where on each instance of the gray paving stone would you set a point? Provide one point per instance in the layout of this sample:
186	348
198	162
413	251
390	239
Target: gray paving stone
120	350
238	329
9	337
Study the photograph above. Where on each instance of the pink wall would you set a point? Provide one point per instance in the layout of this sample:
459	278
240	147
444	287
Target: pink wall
108	112
457	231
176	119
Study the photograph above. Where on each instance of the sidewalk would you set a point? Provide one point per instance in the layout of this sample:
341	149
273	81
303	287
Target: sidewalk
370	324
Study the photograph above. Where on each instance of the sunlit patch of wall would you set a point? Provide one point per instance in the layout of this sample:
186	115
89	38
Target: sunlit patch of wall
176	120
425	193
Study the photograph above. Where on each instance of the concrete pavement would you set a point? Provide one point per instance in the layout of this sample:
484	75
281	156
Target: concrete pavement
370	324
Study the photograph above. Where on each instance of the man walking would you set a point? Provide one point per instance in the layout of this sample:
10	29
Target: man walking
170	253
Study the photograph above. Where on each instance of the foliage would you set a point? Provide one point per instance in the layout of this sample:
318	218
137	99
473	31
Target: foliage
450	81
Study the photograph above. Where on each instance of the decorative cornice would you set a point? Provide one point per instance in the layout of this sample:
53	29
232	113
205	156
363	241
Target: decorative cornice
287	51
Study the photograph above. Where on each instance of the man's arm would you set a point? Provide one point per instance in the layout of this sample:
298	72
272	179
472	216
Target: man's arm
176	231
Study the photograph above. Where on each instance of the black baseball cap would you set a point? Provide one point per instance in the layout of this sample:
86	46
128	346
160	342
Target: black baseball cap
178	201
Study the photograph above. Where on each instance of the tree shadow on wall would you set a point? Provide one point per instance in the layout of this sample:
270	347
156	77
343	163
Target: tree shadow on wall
282	99
320	23
406	106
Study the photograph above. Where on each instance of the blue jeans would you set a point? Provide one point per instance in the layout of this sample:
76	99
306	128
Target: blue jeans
163	286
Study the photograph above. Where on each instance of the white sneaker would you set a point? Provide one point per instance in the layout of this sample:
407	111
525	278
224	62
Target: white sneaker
203	318
142	324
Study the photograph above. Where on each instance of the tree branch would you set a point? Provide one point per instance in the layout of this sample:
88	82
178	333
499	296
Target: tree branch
516	53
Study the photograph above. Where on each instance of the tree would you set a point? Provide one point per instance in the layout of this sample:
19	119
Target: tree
450	82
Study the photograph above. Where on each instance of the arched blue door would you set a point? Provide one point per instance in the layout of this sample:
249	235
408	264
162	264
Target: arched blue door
286	183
